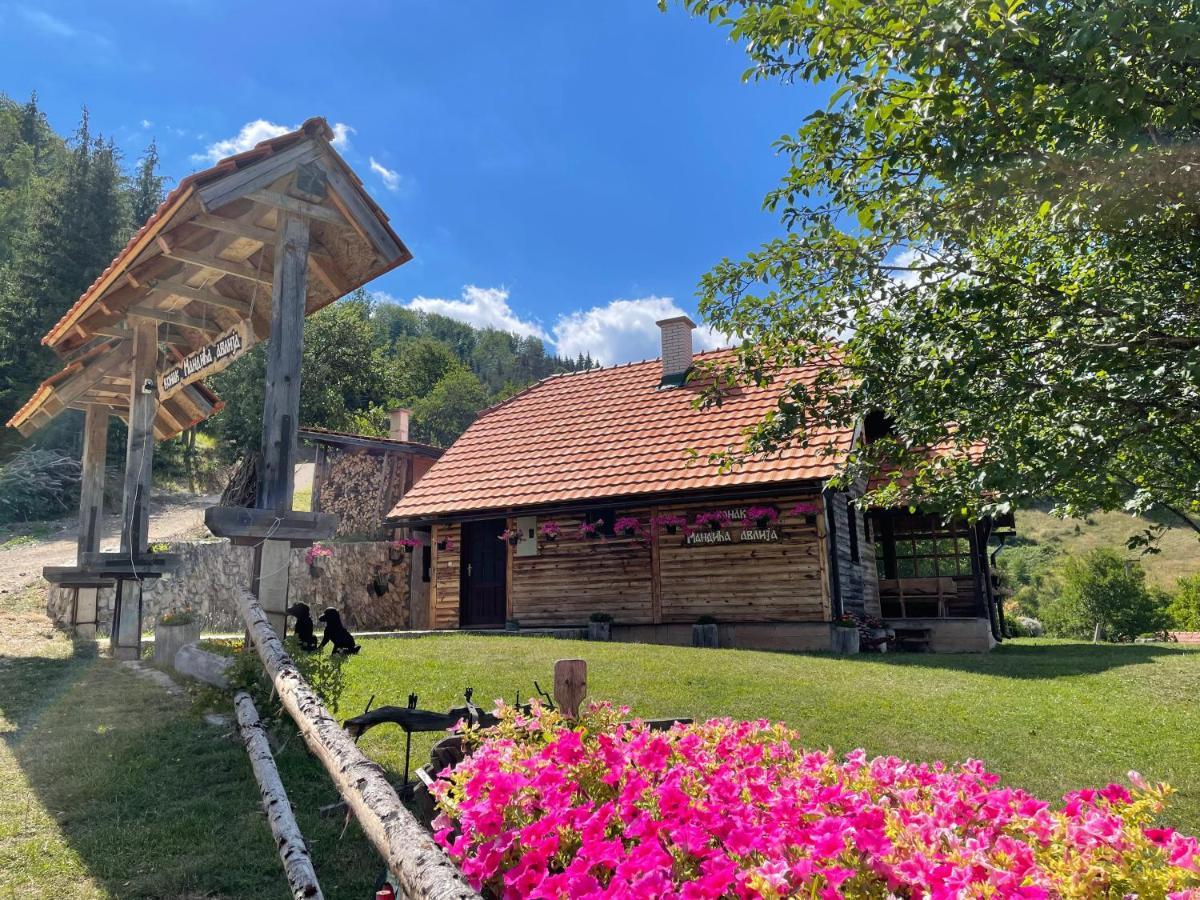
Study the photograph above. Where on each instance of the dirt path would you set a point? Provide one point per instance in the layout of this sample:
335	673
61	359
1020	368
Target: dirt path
172	517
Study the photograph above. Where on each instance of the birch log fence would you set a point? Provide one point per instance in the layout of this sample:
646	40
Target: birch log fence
293	852
422	870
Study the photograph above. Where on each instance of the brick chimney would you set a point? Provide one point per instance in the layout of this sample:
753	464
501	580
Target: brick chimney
399	427
676	349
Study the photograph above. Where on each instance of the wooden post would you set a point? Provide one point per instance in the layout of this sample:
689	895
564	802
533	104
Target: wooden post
126	640
281	406
91	513
570	686
293	852
139	447
423	871
272	560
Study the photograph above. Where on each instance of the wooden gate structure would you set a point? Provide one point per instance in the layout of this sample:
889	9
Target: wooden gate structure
236	254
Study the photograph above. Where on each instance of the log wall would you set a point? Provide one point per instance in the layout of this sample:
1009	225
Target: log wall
573	577
444	578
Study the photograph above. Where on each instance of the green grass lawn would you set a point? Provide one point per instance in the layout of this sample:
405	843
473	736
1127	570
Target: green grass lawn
115	788
1046	715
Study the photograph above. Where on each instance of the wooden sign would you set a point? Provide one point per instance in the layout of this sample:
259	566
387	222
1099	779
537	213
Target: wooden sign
208	360
734	533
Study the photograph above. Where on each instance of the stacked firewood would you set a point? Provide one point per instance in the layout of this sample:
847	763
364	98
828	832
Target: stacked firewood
351	491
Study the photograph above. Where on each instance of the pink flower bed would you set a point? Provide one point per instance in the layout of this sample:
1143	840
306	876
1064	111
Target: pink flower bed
739	809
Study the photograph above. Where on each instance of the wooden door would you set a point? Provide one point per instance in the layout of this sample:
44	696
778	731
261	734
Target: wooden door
484	574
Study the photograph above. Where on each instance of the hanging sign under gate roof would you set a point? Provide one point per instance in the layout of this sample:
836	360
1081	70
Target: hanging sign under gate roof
207	360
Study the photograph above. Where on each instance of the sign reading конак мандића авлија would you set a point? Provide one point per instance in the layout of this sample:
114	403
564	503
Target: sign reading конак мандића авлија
734	533
209	359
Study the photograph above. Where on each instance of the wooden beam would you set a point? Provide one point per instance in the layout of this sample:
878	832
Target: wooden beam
359	212
91	490
257	175
299	207
139	447
175	318
169	287
216	264
281	405
293	852
328	272
235	227
85	349
423	871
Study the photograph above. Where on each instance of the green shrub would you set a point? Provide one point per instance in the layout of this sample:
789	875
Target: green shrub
1183	611
1102	591
322	671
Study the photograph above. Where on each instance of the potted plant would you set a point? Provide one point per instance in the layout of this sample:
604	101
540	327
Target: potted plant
445	544
175	630
591	530
761	516
810	511
704	632
549	531
627	526
402	546
380	583
313	556
512	535
845	634
714	520
600	626
670	522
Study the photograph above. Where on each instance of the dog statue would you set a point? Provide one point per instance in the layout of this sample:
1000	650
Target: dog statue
336	633
304	630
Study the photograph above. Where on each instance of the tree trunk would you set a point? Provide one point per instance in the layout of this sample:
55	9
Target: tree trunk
293	852
1096	634
423	871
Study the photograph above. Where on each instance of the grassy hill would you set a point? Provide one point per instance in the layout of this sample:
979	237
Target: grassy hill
1053	536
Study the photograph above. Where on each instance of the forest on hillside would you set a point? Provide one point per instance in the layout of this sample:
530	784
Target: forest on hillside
68	203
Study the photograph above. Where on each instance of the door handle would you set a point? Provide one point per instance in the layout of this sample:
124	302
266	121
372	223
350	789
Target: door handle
468	570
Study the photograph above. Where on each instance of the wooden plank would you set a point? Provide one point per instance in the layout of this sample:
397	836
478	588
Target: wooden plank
655	569
139	447
235	227
330	275
176	318
289	842
216	264
256	175
423	871
570	686
171	288
281	406
296	207
360	213
91	489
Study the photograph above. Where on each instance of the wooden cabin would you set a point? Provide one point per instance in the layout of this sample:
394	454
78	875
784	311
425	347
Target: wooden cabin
577	497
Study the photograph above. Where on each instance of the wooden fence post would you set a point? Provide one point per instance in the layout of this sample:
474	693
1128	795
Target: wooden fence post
570	686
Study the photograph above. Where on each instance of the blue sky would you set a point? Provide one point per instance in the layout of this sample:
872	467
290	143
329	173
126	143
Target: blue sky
567	169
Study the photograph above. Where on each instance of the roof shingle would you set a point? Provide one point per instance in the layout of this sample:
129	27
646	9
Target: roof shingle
609	433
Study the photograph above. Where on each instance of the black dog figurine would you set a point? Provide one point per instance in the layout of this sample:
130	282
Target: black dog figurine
304	626
335	632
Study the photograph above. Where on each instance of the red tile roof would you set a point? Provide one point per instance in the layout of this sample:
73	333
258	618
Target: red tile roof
316	126
608	433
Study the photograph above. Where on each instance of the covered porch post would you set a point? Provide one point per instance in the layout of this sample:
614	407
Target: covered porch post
84	604
126	642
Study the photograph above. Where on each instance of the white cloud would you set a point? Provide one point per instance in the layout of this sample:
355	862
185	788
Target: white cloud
391	178
46	23
146	123
620	331
254	133
623	330
481	307
341	135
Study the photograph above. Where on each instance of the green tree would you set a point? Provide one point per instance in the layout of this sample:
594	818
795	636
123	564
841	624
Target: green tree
420	364
1101	594
1184	608
441	416
147	190
993	223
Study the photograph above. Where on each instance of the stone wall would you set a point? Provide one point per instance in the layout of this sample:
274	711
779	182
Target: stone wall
212	572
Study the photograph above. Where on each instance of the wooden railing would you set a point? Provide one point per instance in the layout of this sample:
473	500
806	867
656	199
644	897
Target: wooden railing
946	597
